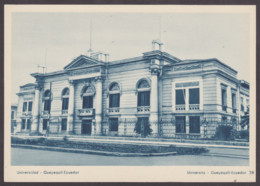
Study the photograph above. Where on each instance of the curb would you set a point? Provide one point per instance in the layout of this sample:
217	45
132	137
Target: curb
60	149
226	155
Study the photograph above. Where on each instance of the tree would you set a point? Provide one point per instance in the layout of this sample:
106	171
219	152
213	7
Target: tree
245	120
143	128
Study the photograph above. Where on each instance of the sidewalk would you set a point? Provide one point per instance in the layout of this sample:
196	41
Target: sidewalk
151	141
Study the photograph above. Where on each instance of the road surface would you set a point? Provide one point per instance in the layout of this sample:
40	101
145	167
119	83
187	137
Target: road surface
31	157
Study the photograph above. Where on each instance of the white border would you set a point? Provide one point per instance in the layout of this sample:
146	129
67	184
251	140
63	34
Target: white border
132	173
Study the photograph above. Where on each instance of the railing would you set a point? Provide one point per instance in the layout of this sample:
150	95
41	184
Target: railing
45	112
194	107
86	112
64	112
180	107
114	110
143	109
224	108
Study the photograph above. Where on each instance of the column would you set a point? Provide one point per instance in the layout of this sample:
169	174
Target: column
98	108
154	102
35	120
71	108
187	99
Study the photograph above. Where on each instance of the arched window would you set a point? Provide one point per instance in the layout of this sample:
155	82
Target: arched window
65	98
87	95
143	89
114	95
47	100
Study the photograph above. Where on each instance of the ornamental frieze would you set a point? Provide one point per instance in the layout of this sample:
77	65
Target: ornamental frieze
187	67
84	71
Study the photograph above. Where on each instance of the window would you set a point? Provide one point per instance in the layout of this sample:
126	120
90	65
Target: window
180	96
47	105
180	124
23	124
87	95
64	124
30	106
194	96
29	124
87	102
65	99
47	100
242	103
24	106
224	99
113	124
65	103
234	102
27	106
247	105
114	100
44	124
143	98
114	95
12	115
194	124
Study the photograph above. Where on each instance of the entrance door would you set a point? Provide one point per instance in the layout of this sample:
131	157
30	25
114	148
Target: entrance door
143	124
86	127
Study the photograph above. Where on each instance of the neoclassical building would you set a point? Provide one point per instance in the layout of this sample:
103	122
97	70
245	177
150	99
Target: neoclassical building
95	96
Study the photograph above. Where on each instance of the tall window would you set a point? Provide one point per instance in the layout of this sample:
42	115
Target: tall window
143	89
23	123
114	95
180	124
194	124
47	101
24	106
224	99
113	124
64	124
29	124
87	93
194	96
12	115
242	103
234	102
65	99
180	96
87	102
45	124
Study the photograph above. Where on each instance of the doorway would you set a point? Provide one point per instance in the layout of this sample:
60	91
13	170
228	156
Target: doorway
86	127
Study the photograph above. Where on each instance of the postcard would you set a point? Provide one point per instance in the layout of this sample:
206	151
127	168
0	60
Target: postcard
130	93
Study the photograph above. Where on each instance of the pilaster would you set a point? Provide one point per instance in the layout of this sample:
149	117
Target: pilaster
71	107
98	114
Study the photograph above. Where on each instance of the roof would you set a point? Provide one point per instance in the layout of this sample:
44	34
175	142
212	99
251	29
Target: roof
28	85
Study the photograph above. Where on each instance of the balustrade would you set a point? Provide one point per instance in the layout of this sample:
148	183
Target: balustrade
114	110
143	109
86	112
180	107
194	107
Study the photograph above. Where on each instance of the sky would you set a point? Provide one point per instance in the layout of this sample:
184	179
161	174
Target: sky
55	39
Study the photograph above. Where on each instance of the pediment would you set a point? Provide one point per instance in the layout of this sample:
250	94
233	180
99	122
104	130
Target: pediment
82	61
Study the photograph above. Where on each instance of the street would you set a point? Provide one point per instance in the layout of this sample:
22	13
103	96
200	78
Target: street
30	157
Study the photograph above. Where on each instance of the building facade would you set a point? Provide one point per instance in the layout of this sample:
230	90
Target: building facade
93	96
13	117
